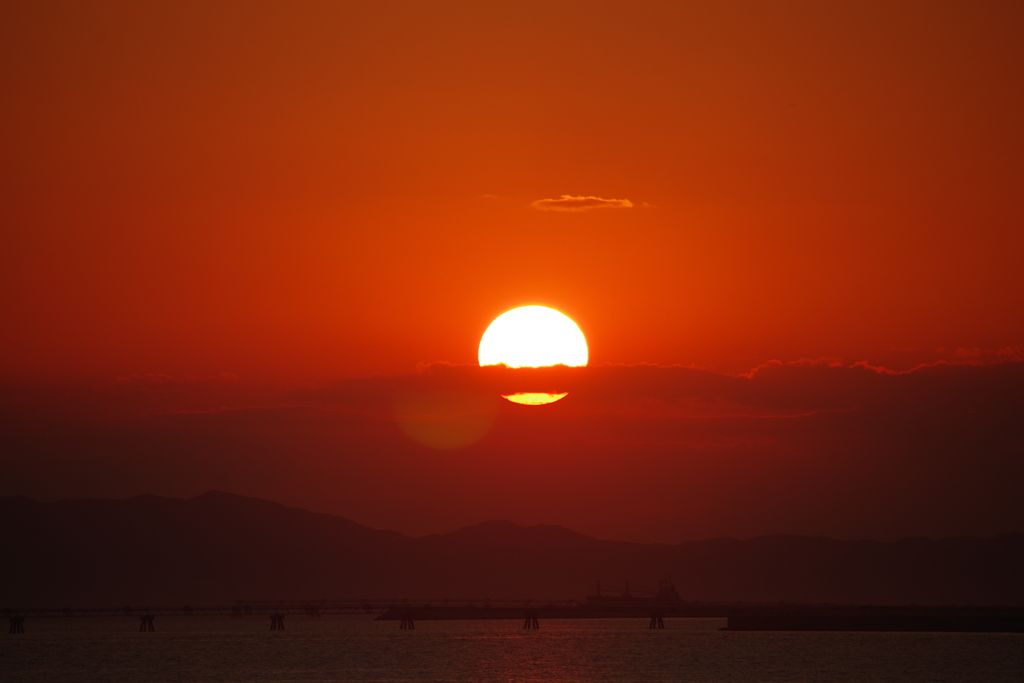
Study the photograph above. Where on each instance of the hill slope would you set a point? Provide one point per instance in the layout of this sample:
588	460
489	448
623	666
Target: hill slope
218	548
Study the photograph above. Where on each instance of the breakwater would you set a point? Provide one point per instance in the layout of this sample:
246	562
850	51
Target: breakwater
740	616
747	617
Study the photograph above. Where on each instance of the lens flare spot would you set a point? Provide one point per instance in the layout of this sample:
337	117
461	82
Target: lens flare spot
445	420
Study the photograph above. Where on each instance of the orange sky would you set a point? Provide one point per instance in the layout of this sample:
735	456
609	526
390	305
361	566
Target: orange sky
207	206
312	191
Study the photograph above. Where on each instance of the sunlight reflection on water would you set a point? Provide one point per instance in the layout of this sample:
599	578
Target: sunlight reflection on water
356	649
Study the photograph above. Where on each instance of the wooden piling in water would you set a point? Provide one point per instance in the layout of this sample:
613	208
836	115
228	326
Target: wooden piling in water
407	623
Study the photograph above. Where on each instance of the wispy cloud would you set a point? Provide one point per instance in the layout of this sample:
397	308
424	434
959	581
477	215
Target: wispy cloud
569	203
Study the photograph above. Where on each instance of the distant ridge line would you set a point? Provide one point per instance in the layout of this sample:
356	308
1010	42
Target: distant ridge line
152	550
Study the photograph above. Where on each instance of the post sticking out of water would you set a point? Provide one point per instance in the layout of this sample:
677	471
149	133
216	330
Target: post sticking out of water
276	622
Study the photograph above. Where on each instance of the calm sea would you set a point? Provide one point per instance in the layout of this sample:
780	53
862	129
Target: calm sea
357	649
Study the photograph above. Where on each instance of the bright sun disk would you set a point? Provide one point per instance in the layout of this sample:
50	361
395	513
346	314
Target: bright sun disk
533	337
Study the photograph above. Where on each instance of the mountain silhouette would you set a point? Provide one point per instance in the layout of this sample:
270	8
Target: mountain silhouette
219	547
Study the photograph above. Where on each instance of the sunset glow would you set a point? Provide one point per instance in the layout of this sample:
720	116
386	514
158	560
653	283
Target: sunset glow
251	248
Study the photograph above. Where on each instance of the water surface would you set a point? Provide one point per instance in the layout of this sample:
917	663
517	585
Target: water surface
212	649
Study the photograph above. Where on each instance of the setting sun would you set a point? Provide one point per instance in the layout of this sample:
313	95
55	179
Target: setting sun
533	336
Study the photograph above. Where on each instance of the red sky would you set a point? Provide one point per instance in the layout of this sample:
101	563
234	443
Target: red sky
317	195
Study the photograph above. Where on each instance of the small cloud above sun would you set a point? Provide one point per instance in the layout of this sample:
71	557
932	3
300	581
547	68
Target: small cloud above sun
570	203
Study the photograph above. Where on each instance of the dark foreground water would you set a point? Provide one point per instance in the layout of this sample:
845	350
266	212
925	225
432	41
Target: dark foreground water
356	649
